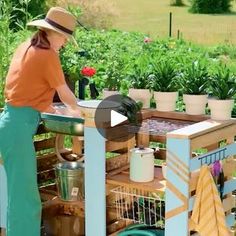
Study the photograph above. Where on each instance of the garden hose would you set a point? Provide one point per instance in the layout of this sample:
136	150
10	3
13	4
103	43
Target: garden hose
138	232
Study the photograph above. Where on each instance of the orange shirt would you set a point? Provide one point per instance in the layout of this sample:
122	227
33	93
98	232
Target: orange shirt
32	77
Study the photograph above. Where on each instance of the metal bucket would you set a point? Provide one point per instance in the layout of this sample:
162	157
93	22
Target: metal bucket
70	180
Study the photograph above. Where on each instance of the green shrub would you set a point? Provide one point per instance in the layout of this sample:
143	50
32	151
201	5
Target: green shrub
227	50
9	41
210	6
194	79
223	84
163	76
176	3
139	73
25	10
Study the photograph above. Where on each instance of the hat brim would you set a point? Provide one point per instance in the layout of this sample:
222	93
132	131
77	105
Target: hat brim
45	24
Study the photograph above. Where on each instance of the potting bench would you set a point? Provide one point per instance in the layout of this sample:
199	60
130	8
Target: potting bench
182	169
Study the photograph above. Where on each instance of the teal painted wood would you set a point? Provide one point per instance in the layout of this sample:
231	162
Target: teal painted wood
230	220
3	198
177	149
211	157
220	154
95	189
230	186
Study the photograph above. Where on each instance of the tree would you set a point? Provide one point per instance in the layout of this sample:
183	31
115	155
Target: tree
176	3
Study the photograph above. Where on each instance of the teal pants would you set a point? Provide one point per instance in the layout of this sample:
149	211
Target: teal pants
3	198
17	127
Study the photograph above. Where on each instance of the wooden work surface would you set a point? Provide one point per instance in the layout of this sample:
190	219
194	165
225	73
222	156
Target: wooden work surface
157	185
156	123
153	113
201	128
182	126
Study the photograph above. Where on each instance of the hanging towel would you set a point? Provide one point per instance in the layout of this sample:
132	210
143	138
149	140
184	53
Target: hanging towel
208	217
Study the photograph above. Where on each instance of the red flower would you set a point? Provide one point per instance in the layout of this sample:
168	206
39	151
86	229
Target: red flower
88	71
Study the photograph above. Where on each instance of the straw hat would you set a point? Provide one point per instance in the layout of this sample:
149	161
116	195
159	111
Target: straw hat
59	20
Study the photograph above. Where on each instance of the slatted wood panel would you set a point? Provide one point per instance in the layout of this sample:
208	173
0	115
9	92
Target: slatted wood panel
46	158
44	144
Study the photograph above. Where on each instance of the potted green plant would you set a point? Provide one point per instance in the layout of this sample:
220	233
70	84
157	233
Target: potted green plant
72	61
111	76
164	84
139	82
223	89
194	82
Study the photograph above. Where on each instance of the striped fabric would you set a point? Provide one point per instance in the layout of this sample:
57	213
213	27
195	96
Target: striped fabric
208	217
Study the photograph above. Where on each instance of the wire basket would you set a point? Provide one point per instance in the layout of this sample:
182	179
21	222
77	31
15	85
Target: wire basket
139	206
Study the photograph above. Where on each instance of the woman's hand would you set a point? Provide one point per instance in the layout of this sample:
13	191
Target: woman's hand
67	111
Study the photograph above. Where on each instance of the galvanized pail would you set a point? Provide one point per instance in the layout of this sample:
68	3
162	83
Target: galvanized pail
70	180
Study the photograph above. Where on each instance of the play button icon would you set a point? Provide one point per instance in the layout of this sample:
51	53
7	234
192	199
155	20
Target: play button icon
120	114
117	118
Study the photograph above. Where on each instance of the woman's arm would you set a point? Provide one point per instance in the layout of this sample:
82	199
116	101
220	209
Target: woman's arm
68	98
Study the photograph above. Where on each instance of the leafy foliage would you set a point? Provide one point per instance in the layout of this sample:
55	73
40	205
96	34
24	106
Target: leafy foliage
138	76
194	79
9	41
164	76
210	6
223	84
23	11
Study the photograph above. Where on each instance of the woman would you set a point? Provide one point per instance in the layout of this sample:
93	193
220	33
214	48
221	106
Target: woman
35	74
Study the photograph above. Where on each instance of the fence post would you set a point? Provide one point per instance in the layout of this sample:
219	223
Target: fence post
178	34
170	25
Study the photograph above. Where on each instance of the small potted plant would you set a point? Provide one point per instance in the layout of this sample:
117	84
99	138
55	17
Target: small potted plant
223	89
87	73
112	75
72	61
140	84
194	82
164	84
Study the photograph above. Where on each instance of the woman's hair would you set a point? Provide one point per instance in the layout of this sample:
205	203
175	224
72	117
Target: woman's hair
40	40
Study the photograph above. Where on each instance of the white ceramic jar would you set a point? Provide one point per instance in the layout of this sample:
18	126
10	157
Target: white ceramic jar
142	164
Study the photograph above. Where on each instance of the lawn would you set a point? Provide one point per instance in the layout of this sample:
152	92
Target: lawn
152	18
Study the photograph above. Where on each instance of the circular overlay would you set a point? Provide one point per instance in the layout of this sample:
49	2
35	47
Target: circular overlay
121	117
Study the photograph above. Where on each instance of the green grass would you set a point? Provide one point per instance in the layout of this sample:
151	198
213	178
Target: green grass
152	18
